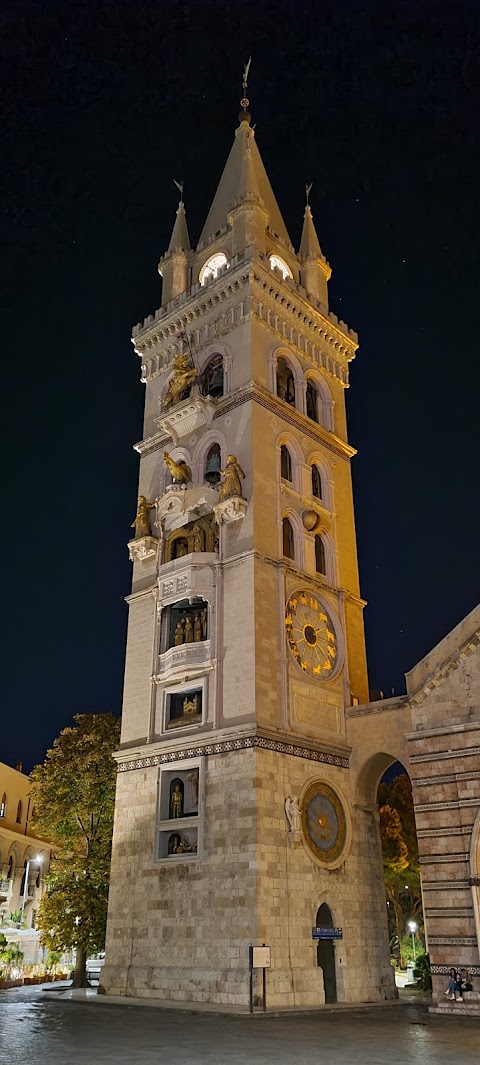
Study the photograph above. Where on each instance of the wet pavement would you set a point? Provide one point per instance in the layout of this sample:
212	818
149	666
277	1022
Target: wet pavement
39	1025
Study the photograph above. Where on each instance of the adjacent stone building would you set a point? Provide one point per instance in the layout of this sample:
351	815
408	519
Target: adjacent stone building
24	860
250	756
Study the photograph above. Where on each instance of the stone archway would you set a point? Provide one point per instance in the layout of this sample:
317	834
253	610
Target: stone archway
475	873
326	953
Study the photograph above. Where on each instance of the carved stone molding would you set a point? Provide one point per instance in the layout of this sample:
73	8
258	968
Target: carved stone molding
187	416
143	548
179	505
233	509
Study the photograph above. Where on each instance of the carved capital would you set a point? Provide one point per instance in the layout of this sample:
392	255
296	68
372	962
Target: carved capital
143	548
233	509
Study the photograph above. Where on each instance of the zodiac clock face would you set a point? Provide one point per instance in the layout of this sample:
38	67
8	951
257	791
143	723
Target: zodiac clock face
323	823
311	635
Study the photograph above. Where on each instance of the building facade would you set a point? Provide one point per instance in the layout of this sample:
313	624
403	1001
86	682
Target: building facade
235	819
250	756
24	860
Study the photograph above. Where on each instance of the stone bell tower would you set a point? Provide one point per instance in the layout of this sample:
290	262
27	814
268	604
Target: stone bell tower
234	821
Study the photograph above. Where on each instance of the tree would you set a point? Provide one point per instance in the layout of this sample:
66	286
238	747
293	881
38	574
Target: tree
400	852
10	955
73	797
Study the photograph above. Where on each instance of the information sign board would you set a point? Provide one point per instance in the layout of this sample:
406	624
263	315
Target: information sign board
327	933
261	957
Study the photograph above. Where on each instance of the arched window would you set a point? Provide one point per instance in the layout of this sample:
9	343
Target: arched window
277	263
213	465
212	267
19	812
316	483
320	565
285	463
3	805
285	382
212	377
312	401
288	539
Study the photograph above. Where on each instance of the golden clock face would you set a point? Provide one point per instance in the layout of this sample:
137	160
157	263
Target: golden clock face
311	635
323	822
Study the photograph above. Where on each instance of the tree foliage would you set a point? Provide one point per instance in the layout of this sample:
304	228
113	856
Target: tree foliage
73	797
400	853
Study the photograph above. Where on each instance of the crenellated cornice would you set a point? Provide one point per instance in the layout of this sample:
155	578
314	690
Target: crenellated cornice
248	289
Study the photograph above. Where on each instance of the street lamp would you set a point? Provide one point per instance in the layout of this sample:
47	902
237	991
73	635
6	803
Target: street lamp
413	928
31	861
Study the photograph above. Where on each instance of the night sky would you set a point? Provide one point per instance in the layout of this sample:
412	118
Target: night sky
105	104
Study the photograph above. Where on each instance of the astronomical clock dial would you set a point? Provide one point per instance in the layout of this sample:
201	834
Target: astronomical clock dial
311	635
323	822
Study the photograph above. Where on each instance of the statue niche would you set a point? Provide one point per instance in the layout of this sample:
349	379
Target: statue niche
185	708
185	622
189	539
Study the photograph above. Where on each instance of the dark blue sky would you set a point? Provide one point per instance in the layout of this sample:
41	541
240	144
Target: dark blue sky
106	103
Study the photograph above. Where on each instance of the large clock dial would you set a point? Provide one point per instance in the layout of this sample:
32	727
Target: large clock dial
323	822
311	635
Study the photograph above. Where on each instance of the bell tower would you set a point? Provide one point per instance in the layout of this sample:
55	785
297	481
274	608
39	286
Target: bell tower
234	819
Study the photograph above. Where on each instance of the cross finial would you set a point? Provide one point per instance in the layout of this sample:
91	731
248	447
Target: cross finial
179	185
308	189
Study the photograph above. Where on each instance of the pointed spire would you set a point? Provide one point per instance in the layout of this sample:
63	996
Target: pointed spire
179	240
309	244
248	185
244	178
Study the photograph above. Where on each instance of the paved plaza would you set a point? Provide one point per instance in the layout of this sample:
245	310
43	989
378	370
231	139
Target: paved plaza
35	1024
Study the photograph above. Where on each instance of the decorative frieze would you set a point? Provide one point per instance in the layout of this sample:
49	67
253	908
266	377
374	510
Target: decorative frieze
229	746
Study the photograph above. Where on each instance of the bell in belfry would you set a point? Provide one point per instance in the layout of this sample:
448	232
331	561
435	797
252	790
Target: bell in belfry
212	469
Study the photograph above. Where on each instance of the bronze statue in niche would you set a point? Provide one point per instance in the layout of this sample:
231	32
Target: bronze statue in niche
190	706
184	374
188	539
179	845
176	798
141	522
190	627
180	472
232	475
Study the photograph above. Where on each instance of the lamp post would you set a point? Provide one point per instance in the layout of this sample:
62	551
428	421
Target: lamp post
31	861
413	928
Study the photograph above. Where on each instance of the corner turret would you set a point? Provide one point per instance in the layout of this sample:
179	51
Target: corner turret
315	272
174	266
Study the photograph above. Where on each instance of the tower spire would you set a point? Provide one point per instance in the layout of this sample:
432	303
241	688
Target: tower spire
179	240
309	244
315	272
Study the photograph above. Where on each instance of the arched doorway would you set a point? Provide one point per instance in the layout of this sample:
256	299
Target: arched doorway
326	953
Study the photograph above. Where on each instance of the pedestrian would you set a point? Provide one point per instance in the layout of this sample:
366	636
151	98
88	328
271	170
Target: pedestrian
466	982
452	983
460	985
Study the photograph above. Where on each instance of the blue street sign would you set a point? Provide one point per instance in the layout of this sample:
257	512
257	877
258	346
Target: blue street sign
327	933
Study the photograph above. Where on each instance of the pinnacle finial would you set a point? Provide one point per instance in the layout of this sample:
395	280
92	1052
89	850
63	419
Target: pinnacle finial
308	189
244	115
179	185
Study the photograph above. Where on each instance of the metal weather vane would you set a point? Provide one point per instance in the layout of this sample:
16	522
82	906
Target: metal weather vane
244	102
308	189
179	185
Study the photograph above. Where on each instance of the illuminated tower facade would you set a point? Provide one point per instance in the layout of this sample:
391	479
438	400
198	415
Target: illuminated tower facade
234	817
